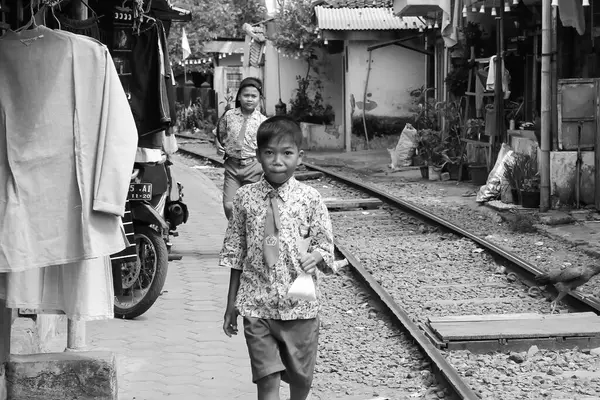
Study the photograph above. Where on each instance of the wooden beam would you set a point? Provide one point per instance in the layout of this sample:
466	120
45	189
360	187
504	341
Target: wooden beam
422	51
345	204
376	36
391	42
305	176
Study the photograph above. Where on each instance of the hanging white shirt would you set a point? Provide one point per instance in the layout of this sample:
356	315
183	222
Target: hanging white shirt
67	146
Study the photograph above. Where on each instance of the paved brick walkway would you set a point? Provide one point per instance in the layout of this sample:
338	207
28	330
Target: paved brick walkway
177	350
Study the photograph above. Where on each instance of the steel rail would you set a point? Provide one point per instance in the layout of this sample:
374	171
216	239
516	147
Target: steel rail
526	269
449	373
441	365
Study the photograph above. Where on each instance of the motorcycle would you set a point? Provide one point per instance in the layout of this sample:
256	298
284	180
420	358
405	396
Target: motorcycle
152	215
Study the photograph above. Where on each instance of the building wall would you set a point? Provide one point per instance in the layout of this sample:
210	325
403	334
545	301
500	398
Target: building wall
395	71
330	70
221	85
563	178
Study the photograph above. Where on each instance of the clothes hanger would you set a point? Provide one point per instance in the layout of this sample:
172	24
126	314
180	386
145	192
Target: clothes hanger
31	21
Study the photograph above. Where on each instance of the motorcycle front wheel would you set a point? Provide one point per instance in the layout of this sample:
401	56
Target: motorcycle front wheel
144	279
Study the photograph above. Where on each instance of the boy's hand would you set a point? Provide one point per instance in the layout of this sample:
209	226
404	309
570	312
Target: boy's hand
309	262
230	321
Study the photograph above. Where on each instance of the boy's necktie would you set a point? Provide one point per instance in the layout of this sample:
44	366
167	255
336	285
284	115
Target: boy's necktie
242	134
272	225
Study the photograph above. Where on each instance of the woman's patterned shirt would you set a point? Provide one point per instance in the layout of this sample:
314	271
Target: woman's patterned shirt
263	290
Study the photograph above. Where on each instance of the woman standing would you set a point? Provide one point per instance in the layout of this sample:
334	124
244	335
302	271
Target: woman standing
236	133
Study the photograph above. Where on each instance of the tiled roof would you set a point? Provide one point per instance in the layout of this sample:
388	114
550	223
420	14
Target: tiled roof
363	19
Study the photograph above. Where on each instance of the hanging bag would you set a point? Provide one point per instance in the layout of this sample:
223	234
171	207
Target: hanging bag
303	287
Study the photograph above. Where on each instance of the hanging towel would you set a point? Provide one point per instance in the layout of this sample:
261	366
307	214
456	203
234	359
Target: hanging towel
491	78
571	14
449	18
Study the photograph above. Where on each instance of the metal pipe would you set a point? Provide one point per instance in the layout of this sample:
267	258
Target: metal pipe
364	110
75	335
498	84
546	107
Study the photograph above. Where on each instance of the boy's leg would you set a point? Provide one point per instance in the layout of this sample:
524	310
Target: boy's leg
231	184
298	342
265	359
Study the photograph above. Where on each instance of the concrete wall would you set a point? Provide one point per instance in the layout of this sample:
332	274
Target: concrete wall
220	82
394	72
330	72
322	137
563	177
45	335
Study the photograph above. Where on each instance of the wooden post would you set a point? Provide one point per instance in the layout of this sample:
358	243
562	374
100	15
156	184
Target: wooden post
546	107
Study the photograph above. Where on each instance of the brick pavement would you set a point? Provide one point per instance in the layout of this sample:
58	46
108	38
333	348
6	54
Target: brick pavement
177	350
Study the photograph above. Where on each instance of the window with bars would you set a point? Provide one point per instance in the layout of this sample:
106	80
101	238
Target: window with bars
233	82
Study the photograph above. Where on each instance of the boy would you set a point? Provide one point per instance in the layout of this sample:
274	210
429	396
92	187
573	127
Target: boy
269	218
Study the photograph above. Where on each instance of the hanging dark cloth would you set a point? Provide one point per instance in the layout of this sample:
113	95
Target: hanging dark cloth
86	27
146	85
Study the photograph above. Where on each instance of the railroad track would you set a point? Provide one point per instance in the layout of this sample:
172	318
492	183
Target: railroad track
423	267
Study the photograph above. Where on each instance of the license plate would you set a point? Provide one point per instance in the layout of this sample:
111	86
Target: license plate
140	191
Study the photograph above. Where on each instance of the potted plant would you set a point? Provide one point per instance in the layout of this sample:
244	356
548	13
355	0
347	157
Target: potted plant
472	34
524	179
429	148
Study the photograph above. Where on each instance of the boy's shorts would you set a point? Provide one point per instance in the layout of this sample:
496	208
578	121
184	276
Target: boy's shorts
237	175
289	347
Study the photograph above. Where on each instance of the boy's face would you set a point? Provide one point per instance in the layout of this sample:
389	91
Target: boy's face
249	98
279	159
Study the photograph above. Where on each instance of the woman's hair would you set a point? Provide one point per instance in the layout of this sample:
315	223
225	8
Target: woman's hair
278	128
252	82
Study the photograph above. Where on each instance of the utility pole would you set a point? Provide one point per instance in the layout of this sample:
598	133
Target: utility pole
546	107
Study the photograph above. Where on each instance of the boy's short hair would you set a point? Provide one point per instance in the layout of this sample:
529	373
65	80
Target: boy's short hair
278	128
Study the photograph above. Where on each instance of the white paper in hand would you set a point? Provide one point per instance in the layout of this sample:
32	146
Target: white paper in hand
303	287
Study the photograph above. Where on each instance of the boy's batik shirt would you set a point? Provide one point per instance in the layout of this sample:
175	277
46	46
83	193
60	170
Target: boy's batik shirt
230	128
263	290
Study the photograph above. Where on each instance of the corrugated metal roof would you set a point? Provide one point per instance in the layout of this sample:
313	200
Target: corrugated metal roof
360	3
363	19
224	47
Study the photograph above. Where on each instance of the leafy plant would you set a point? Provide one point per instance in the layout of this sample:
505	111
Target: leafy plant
192	117
472	33
522	174
424	108
307	105
212	19
296	31
430	146
457	80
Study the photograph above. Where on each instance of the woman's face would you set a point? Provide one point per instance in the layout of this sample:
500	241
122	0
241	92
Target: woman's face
249	98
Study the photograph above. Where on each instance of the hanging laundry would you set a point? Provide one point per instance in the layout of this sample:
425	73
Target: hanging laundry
571	14
82	290
149	102
491	77
169	78
67	146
